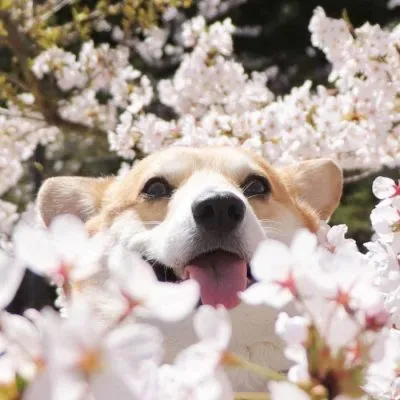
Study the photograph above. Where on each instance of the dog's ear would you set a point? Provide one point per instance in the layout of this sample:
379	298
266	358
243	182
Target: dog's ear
71	195
318	182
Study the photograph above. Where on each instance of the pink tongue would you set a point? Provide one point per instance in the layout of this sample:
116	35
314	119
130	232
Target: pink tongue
221	276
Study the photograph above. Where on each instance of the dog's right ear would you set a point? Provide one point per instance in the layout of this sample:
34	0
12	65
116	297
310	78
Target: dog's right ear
71	195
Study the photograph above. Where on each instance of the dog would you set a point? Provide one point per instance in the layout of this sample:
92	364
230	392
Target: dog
201	213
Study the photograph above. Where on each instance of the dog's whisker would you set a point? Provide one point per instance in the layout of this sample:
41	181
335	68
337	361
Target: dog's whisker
267	225
272	226
271	221
151	223
254	195
274	231
246	187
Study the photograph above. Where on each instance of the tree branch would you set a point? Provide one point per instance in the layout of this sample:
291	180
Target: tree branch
46	99
251	396
361	175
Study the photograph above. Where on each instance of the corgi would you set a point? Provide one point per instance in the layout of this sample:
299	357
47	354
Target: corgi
201	213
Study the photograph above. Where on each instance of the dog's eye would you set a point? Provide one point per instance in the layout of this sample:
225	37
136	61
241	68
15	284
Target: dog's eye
256	186
157	188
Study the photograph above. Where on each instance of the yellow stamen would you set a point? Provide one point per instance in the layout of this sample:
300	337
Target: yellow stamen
91	362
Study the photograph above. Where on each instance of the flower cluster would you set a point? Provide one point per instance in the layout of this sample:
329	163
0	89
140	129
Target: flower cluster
21	130
341	328
96	71
217	102
340	337
214	100
384	252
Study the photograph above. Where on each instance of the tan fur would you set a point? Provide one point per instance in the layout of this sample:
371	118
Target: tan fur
316	182
71	195
311	190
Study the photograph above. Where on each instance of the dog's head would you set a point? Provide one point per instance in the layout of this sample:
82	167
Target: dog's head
200	213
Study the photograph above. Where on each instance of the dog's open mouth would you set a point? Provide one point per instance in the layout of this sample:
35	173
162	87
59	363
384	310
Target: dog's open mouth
221	276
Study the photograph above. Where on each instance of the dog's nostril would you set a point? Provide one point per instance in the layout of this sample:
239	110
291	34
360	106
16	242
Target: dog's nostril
207	211
222	211
235	212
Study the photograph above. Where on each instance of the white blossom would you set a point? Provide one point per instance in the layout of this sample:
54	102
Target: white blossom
8	216
279	277
65	253
347	303
82	358
144	294
197	372
11	272
286	390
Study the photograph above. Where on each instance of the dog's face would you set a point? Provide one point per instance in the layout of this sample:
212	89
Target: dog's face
200	212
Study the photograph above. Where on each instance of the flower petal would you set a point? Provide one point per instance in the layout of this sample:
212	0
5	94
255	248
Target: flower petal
133	344
213	325
286	390
11	273
337	234
172	302
304	244
69	236
134	276
293	330
255	294
270	261
383	187
35	248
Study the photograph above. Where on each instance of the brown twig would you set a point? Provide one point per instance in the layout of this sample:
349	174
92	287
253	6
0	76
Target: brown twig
46	99
361	175
251	396
55	9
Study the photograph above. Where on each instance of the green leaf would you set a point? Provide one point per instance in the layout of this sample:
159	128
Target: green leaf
21	383
6	4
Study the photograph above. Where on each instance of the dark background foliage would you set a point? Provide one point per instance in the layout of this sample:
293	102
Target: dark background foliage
271	33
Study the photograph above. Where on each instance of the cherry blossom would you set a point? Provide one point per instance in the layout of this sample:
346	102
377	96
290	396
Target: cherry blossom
23	344
335	249
197	372
64	66
350	125
293	330
385	187
346	304
381	376
81	358
65	253
279	277
393	4
383	253
8	216
385	220
11	272
286	390
141	292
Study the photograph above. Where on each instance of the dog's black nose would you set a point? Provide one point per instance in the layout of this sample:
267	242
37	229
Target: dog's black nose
218	212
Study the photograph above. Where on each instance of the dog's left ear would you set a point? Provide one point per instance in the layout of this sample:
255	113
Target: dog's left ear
318	182
75	195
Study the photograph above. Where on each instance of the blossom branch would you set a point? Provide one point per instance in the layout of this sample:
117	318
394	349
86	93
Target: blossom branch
45	95
234	360
361	175
251	396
